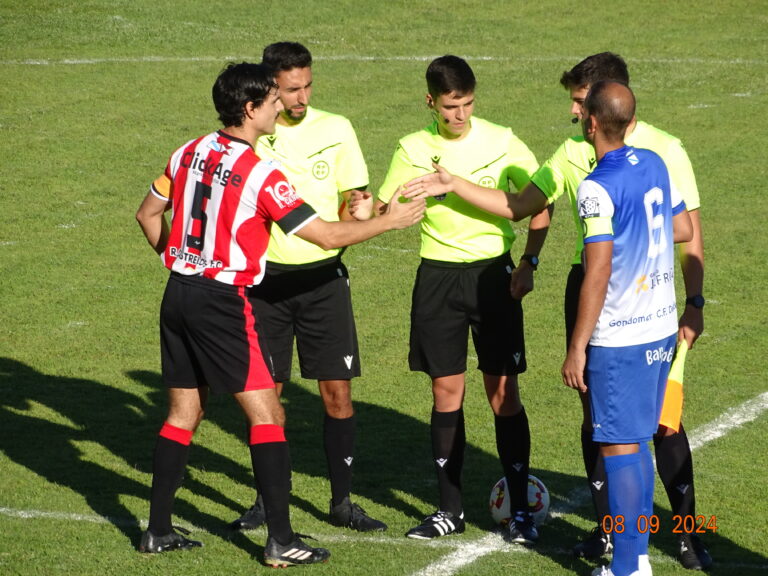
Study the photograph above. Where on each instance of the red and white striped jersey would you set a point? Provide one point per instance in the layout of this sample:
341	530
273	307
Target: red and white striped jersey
225	199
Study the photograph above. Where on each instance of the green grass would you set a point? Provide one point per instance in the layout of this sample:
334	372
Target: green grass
96	95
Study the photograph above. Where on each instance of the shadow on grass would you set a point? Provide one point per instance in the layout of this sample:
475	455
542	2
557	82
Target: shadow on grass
44	419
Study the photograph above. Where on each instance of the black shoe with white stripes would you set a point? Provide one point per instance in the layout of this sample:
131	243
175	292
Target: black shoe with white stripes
521	529
294	553
438	524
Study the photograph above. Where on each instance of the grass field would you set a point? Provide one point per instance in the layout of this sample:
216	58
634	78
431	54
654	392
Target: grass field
96	95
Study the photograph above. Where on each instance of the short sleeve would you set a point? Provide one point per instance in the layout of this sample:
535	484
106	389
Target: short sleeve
282	204
595	211
400	171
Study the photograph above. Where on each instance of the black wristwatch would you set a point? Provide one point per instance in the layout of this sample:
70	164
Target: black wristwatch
696	301
532	259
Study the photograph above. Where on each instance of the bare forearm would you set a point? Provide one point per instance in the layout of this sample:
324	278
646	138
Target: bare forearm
331	235
593	291
151	219
692	259
490	200
538	230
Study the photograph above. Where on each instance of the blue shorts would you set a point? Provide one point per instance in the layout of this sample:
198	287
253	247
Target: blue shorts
626	389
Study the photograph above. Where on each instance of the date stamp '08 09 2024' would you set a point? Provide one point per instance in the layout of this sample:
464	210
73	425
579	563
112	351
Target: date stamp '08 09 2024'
698	524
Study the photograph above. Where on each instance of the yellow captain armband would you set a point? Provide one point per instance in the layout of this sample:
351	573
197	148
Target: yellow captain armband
597	226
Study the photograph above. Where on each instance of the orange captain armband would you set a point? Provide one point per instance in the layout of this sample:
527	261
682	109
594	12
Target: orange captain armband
672	409
161	187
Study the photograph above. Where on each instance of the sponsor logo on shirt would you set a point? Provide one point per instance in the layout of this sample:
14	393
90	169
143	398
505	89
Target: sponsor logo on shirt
654	280
198	165
643	318
283	194
194	259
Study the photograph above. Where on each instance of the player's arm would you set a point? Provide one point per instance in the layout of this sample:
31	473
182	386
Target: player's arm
682	228
597	273
522	276
151	218
330	235
691	323
514	206
358	205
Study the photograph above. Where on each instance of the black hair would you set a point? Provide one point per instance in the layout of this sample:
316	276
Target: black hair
239	84
283	56
450	74
605	66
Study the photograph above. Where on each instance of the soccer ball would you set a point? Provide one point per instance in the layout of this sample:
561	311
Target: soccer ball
538	501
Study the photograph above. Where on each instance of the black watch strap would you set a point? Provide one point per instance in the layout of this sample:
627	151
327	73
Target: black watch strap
697	301
532	259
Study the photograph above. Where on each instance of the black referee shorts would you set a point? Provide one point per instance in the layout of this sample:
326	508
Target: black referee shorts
209	337
449	299
312	303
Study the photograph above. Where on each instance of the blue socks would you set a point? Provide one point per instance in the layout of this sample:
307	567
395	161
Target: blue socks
628	499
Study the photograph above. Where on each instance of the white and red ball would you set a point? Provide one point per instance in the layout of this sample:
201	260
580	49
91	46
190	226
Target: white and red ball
538	501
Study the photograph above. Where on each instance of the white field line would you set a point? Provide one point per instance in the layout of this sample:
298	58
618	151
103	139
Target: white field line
468	552
720	426
731	419
362	58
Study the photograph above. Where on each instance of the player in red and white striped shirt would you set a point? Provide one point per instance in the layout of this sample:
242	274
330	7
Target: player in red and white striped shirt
224	200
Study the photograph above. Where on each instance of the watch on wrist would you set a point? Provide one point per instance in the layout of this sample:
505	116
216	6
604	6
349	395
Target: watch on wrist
696	301
532	259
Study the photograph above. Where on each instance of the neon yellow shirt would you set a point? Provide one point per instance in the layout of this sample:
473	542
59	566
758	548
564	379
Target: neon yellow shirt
490	155
322	159
575	159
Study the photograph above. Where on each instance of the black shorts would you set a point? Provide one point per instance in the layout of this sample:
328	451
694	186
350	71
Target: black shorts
209	337
571	300
312	303
449	299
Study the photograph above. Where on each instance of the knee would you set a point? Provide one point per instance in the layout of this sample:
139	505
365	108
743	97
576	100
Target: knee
188	419
337	398
339	409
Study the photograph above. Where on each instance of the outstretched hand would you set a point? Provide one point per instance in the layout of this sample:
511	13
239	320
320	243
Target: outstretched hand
404	214
435	184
